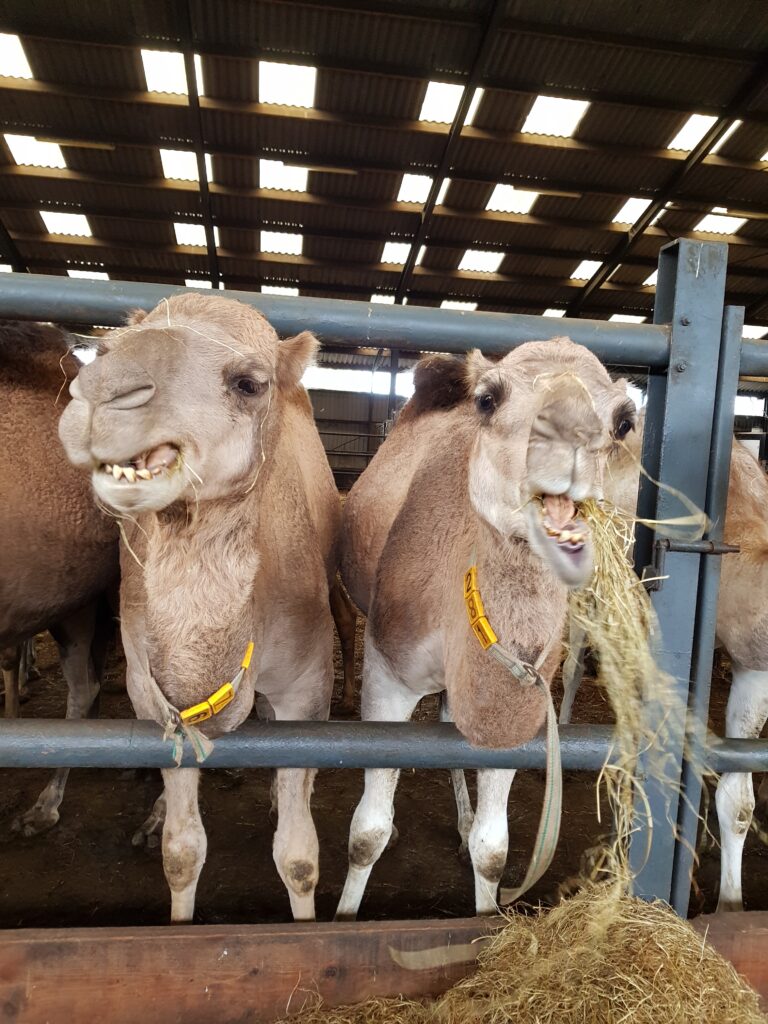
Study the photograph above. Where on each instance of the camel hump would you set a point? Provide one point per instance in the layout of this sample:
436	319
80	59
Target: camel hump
440	382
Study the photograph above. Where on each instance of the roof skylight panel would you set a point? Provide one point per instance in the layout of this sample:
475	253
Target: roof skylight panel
395	252
631	210
585	270
552	116
692	132
278	289
13	60
650	281
181	164
193	234
508	199
290	85
164	72
28	152
719	222
414	188
626	318
197	282
386	300
553	312
462	307
6	268
57	223
276	175
481	261
285	243
441	102
90	275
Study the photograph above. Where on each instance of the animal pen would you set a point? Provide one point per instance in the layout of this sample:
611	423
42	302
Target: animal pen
693	354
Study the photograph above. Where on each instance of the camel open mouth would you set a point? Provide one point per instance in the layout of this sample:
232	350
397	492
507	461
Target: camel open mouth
149	465
558	534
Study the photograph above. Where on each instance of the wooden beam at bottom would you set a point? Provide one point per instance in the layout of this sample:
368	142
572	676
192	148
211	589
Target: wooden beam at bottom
257	973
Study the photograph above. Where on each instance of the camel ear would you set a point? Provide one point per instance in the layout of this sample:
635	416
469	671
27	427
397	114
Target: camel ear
293	357
476	366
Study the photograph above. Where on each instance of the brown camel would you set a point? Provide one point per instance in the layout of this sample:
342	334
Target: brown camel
195	429
484	466
59	549
742	628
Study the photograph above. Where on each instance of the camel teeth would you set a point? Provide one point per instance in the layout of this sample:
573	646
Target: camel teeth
117	471
107	467
144	474
130	473
565	535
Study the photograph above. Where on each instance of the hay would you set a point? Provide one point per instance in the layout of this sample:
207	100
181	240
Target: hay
594	959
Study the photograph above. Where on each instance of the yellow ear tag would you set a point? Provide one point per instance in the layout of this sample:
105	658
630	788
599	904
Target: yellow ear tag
478	620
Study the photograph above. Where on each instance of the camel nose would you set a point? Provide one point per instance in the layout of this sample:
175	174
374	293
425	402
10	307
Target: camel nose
115	380
569	419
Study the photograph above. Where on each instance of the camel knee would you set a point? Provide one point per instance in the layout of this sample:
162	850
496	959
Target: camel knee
735	800
488	845
183	856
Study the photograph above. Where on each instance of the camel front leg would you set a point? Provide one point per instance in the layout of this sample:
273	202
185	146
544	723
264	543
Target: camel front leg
295	849
74	638
735	798
489	836
10	659
184	841
385	699
463	804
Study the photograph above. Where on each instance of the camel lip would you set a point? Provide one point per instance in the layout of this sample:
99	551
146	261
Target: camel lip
561	522
145	467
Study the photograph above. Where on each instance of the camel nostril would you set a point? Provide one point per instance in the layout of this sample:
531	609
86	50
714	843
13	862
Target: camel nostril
132	399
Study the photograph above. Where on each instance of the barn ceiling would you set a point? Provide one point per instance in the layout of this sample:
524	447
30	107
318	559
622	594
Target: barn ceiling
319	197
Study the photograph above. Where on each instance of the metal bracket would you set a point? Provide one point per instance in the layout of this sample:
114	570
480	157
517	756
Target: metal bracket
652	575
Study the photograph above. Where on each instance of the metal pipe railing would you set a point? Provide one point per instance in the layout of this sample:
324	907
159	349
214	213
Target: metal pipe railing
408	328
126	743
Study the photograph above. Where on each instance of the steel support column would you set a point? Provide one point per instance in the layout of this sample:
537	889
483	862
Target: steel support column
689	296
706	611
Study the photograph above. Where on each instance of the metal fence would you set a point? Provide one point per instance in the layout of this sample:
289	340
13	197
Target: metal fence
693	353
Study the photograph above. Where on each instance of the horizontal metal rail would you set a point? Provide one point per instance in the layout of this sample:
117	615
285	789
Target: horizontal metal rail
125	743
408	328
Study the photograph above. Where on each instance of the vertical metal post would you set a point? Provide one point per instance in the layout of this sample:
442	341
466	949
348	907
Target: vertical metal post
394	358
689	296
706	611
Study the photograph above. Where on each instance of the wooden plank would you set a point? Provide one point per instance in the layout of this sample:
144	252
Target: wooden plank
255	973
232	973
741	938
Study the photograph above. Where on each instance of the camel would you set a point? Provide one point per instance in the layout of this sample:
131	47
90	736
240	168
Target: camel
484	466
742	628
195	430
59	550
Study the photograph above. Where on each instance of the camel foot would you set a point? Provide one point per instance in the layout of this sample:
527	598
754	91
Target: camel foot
729	906
35	820
150	833
393	839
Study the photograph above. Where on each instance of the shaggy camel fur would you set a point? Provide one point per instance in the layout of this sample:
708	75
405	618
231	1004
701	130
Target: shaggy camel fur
484	465
195	429
59	549
742	628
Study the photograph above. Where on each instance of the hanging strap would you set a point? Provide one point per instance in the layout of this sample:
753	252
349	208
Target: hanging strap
527	675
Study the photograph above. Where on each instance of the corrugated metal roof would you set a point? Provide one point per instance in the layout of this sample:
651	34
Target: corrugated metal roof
644	67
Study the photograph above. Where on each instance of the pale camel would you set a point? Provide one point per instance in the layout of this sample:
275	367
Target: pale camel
59	550
742	628
195	430
485	465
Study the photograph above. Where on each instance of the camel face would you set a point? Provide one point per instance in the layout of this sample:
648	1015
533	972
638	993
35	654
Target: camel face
174	409
548	415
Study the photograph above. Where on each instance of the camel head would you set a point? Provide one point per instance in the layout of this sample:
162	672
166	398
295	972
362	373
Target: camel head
548	415
176	406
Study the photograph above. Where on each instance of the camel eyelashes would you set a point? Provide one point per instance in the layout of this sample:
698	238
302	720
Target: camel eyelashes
485	403
623	427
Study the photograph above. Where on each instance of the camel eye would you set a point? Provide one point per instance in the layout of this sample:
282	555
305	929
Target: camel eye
623	427
485	403
247	386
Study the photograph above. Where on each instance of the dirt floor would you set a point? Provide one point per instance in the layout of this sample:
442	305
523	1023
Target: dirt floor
86	872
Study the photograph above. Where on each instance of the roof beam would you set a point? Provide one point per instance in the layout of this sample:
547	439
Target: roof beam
184	18
750	91
291	265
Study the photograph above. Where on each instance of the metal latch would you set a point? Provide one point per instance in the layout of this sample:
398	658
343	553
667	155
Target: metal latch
652	575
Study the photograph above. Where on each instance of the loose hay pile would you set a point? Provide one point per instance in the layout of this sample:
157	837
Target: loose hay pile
600	956
594	959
